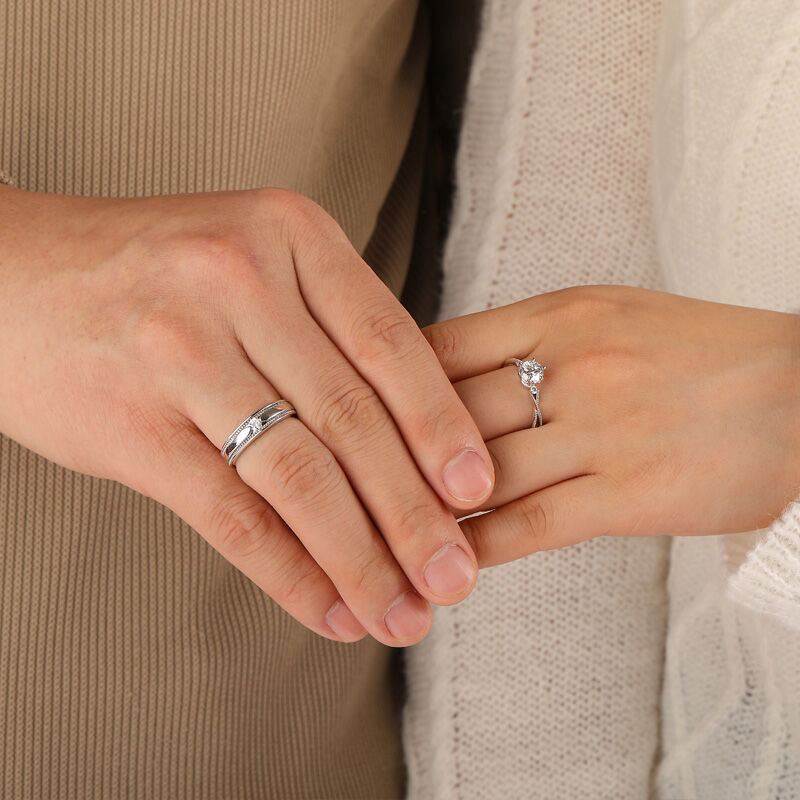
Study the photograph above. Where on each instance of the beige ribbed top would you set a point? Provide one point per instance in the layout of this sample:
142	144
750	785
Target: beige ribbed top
134	660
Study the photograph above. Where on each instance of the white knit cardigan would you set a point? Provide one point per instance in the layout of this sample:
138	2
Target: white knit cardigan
658	145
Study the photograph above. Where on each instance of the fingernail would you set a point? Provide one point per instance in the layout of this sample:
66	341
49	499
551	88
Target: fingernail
449	571
342	621
467	477
408	616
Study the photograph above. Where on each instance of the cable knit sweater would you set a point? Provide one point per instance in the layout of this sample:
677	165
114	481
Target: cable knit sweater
657	145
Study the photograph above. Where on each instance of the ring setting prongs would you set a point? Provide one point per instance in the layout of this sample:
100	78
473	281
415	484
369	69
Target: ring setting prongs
531	373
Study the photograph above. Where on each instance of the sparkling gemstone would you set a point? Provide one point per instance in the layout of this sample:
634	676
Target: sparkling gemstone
531	372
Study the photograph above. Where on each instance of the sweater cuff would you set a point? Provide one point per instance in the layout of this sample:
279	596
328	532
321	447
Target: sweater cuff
768	578
5	178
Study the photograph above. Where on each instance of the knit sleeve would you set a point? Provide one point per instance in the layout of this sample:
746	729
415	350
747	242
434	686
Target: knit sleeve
6	178
768	577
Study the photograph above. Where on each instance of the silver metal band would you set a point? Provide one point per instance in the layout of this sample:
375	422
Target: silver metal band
253	427
531	373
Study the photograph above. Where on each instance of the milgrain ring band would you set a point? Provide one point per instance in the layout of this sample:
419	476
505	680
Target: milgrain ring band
253	427
531	373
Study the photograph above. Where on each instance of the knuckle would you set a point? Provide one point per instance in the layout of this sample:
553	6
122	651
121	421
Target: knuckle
302	473
444	342
369	569
220	255
536	520
301	581
586	303
218	269
289	203
241	527
146	421
161	428
415	519
355	408
296	218
157	429
384	334
164	337
435	425
270	198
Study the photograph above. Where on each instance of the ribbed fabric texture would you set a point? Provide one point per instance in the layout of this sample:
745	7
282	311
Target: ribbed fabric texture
134	660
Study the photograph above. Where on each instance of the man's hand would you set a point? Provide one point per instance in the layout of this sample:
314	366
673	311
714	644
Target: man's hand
138	333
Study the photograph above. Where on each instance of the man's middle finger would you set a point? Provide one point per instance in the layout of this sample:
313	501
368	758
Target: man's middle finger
347	415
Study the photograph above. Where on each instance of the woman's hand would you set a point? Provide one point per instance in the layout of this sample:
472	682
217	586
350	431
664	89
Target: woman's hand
138	333
662	415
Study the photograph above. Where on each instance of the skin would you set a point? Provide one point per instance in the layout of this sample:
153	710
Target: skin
155	325
138	333
662	415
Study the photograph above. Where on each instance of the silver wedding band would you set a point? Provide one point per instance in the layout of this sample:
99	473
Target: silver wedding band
253	427
531	373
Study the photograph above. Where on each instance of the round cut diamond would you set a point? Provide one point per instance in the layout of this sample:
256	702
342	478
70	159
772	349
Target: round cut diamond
531	372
